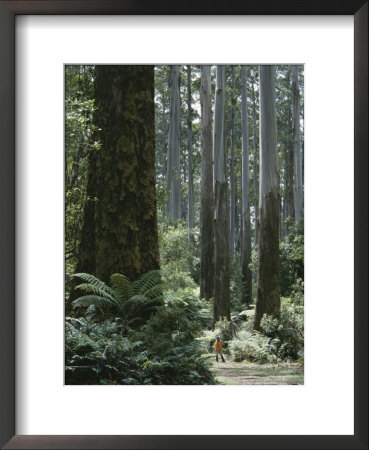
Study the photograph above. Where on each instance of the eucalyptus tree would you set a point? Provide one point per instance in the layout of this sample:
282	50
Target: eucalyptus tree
255	155
222	281
207	198
245	208
268	278
232	211
298	190
191	208
289	205
174	169
119	231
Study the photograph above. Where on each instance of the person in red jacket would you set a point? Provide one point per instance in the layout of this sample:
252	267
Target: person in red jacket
218	348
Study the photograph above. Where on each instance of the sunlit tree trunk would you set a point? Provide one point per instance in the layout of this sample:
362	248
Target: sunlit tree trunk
174	173
246	225
207	198
296	144
232	180
268	283
255	165
221	285
191	210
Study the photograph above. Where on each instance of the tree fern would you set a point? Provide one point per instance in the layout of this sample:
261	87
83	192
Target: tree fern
137	300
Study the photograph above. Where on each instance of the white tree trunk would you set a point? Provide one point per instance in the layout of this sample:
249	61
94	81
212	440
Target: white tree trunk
245	208
298	191
174	174
232	180
191	211
268	284
256	177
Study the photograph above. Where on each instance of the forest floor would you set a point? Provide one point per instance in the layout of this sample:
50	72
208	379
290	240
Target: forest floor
231	372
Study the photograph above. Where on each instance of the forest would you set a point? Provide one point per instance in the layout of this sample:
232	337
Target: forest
184	224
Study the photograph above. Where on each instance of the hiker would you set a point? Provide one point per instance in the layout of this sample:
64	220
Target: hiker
218	348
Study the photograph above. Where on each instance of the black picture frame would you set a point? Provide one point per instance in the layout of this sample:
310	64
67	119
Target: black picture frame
8	11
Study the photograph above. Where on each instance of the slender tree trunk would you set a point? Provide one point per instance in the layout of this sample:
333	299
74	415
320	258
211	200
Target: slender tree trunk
246	225
164	146
268	284
191	210
256	168
174	170
222	293
232	180
296	143
207	197
289	162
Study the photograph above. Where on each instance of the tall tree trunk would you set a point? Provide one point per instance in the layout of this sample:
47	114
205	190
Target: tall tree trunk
268	283
120	226
174	170
221	285
289	162
164	146
232	180
296	143
246	225
207	197
256	168
191	210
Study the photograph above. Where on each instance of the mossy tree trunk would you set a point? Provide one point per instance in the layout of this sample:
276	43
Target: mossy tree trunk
123	226
268	283
222	280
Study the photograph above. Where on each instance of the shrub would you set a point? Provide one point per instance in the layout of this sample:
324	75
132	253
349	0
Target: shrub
253	347
286	329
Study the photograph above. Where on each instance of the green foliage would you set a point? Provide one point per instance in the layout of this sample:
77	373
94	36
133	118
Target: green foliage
281	337
133	302
79	143
136	333
292	257
286	330
179	255
253	347
225	329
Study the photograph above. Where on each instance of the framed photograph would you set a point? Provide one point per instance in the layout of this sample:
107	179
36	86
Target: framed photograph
57	60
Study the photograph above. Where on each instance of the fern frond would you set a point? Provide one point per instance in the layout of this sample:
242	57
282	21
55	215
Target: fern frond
88	300
90	279
97	290
156	290
121	285
147	281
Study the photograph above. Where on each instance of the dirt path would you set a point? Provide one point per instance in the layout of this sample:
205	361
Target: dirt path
232	372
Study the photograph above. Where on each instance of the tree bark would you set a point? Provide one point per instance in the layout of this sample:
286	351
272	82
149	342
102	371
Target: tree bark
191	210
268	283
289	163
256	168
232	180
174	170
120	225
245	213
296	144
207	197
221	285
